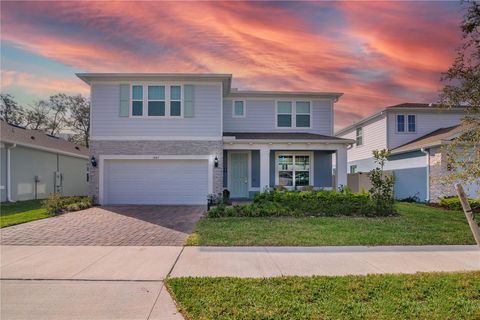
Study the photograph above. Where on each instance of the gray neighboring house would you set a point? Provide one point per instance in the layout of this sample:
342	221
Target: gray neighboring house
34	165
414	133
176	138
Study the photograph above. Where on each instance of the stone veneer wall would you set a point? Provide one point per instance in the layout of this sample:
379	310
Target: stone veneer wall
438	168
98	148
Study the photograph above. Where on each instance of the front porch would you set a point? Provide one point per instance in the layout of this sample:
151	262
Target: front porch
253	162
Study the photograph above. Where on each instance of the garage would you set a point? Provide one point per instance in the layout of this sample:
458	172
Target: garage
155	181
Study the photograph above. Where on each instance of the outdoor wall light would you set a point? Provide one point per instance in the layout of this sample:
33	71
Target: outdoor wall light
93	161
215	162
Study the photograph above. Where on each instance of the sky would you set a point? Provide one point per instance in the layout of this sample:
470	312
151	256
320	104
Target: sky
377	53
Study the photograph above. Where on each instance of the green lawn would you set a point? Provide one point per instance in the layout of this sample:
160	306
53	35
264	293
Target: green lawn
418	296
417	224
20	212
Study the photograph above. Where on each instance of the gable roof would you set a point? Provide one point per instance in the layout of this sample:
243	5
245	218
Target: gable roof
432	139
39	140
407	106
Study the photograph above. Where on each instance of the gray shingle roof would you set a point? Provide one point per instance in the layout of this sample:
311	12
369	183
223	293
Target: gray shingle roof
431	139
38	139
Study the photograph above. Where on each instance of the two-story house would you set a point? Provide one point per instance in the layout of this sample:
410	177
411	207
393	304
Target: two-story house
175	138
414	133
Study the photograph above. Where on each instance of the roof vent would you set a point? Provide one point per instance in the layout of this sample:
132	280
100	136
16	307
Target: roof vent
32	137
77	148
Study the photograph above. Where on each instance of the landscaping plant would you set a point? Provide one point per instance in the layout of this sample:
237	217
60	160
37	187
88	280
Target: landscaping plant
381	191
56	204
453	203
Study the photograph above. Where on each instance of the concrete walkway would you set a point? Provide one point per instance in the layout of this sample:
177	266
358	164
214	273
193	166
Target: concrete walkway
58	282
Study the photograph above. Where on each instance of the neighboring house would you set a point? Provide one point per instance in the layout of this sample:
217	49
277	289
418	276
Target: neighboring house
33	165
176	138
413	132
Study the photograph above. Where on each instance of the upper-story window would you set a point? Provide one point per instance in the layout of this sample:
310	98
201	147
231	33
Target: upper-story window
238	109
290	117
359	136
406	123
156	101
137	100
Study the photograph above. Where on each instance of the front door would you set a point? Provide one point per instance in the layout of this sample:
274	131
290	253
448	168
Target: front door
239	175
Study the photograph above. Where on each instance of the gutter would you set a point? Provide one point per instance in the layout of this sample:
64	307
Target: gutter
427	155
9	175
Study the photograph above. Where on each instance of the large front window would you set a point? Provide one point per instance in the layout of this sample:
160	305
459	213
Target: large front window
293	114
156	100
293	170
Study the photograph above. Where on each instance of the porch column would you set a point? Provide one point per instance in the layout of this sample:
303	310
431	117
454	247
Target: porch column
341	167
264	168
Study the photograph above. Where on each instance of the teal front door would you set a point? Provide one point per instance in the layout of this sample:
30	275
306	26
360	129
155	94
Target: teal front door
239	175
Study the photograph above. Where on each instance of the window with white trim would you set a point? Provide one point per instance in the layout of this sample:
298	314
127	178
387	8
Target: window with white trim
156	101
293	170
284	114
406	123
238	109
293	114
302	114
137	100
359	136
353	168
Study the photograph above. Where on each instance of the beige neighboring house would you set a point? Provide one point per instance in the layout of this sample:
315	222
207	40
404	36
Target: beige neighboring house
34	165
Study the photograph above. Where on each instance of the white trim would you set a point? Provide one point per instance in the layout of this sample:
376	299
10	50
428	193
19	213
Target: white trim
9	173
155	138
249	169
47	149
167	87
102	158
293	114
244	108
282	146
294	154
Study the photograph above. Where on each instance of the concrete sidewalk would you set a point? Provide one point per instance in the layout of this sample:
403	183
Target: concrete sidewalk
329	261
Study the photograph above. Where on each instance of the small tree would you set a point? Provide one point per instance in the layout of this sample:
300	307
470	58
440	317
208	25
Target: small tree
37	116
79	120
10	111
382	184
59	107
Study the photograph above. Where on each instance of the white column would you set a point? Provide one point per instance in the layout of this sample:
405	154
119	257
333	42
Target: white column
341	167
264	168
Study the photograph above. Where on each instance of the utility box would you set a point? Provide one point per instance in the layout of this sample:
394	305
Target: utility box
58	182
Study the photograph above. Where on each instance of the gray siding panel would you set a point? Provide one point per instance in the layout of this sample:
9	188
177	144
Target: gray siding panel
255	168
411	182
3	174
107	122
322	169
225	168
74	171
272	168
260	117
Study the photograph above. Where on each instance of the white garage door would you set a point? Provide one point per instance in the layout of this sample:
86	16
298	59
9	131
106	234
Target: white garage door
164	182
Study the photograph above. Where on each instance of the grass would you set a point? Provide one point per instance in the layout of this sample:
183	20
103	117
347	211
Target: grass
20	212
416	224
418	296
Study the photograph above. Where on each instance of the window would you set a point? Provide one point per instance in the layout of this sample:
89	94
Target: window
406	123
400	123
293	170
359	137
238	109
137	100
284	114
156	101
302	114
353	168
175	101
411	123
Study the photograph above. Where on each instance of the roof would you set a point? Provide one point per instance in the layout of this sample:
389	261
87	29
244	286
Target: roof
39	140
285	136
225	78
283	94
432	139
408	106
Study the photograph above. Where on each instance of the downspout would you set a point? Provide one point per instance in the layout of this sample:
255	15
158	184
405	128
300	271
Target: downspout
9	175
427	155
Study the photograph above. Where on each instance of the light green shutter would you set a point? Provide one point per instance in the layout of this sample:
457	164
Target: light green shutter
124	100
189	100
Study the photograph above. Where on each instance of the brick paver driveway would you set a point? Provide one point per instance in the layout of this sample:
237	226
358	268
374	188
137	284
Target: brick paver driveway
109	226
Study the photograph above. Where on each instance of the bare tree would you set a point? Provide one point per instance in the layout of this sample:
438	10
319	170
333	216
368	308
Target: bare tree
79	119
10	111
37	116
463	89
59	107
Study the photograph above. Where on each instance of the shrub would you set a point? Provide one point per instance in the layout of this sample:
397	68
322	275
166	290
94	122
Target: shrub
382	185
55	204
453	203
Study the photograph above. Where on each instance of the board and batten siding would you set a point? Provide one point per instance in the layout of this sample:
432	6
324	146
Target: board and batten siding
374	138
206	122
260	116
426	122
